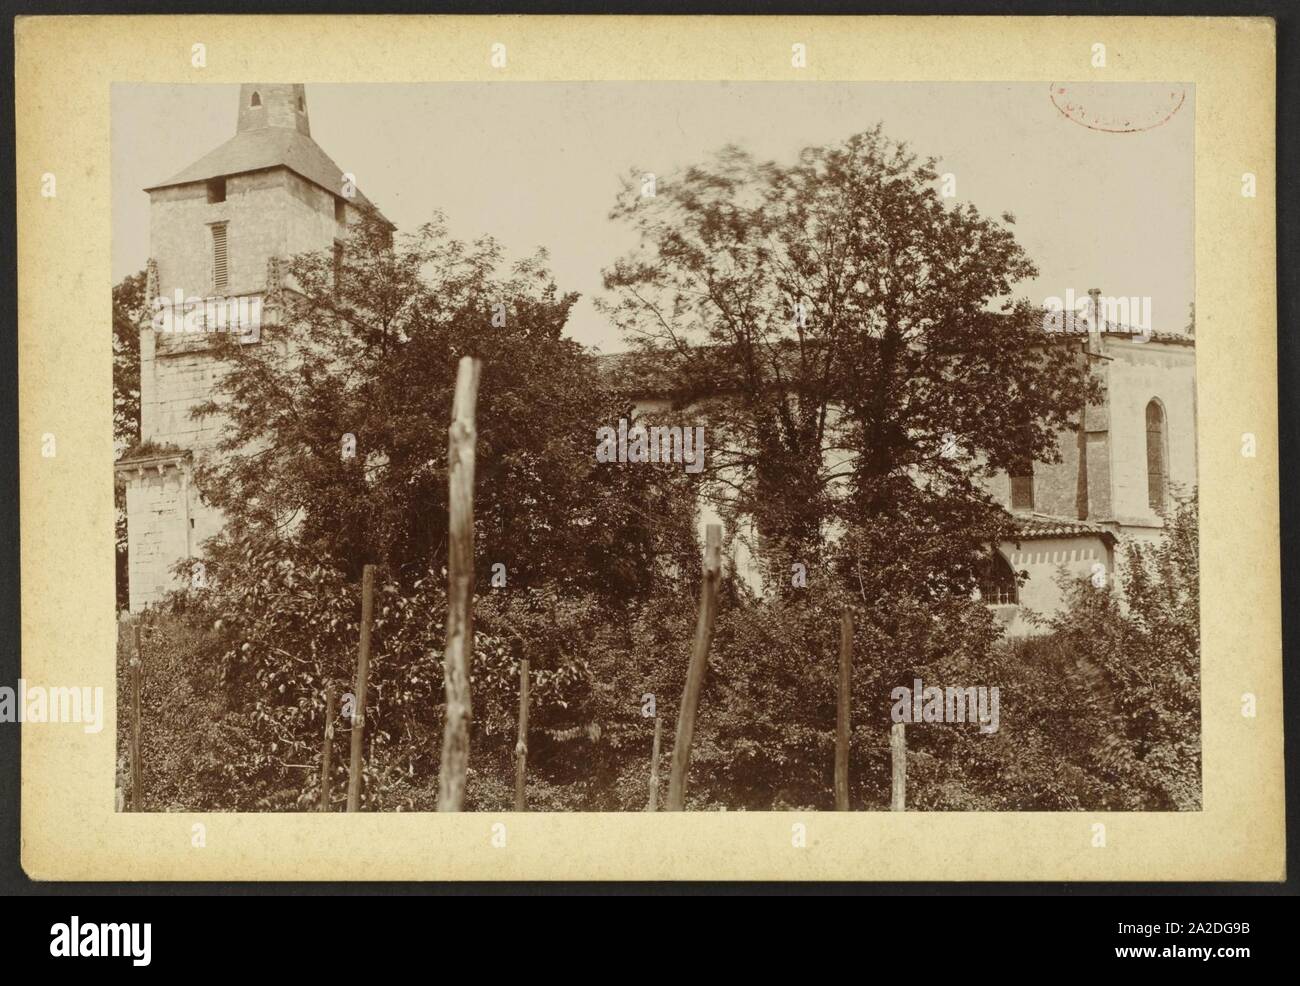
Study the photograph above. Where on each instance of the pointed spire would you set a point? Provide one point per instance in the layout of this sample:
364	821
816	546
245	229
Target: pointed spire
273	104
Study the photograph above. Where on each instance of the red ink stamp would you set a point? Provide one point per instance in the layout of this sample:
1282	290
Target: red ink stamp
1116	107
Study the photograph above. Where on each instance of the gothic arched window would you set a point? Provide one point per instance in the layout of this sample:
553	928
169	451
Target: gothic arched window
255	100
998	584
1157	457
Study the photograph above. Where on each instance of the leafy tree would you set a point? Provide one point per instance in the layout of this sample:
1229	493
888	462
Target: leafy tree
284	627
368	349
854	347
333	456
1144	661
130	313
852	342
1100	713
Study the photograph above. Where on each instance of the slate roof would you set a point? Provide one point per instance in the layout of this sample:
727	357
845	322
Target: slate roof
266	147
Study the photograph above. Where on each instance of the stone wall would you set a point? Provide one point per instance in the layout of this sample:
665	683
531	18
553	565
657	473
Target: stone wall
1043	559
1139	373
157	504
269	213
1113	486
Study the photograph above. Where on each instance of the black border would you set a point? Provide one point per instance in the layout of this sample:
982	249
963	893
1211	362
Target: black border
14	882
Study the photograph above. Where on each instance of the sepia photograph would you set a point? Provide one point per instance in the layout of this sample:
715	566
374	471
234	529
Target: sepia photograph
655	446
807	452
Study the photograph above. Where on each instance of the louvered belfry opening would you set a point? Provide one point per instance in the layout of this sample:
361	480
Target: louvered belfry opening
220	259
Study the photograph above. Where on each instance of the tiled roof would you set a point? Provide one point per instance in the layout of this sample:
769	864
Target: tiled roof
667	374
267	147
1068	323
636	372
1030	527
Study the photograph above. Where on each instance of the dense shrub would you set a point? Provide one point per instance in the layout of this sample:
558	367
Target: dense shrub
1099	713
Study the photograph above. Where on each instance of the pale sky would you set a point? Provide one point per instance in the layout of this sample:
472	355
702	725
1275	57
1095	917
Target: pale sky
538	164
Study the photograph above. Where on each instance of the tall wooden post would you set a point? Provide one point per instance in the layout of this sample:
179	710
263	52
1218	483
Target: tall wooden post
327	749
654	768
699	664
521	744
459	649
842	712
136	666
363	676
898	754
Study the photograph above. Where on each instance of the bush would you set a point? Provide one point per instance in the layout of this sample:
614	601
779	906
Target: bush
1099	713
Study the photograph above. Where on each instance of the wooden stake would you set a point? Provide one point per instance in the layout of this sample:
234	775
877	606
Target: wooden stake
363	676
654	768
842	712
136	666
898	754
456	656
699	664
521	744
327	749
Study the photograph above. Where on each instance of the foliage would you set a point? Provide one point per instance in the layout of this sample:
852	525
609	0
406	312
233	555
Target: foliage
1139	652
185	737
263	652
850	339
1100	713
369	349
129	311
767	739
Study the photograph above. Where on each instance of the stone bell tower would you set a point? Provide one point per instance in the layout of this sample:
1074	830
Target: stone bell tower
273	104
220	234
